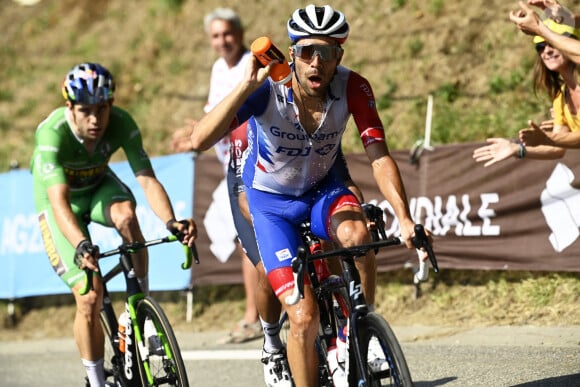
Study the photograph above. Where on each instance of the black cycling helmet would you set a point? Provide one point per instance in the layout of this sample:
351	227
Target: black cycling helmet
317	21
88	84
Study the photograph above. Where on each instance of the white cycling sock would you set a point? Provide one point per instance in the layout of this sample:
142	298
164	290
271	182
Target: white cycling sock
95	372
272	342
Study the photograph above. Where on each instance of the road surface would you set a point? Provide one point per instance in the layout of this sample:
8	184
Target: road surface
489	356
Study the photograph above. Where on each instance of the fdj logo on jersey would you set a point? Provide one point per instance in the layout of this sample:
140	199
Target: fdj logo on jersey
294	152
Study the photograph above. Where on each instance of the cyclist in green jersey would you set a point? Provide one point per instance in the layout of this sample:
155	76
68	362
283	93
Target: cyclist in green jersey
73	185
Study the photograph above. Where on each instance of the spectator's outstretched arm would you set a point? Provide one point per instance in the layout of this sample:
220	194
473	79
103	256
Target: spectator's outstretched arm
530	23
559	138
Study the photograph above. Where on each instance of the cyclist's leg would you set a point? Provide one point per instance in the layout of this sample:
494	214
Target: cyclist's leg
337	215
274	359
88	333
269	307
113	205
87	330
301	353
249	255
275	223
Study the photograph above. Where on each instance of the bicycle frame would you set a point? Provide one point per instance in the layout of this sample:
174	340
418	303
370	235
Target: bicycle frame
134	296
358	307
352	282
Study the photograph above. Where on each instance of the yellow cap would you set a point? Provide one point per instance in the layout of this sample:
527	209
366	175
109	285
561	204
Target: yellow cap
559	28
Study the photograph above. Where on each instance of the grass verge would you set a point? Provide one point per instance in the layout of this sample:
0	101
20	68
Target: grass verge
452	298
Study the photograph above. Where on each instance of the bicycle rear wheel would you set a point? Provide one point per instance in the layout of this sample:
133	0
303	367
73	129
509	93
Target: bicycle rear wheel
160	360
382	353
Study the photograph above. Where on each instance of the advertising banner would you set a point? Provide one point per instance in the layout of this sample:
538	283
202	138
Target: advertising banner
26	270
514	215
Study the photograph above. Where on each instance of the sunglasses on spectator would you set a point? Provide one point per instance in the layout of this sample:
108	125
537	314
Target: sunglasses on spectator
324	52
541	46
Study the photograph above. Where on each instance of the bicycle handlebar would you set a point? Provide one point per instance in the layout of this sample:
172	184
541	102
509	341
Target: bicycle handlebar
420	241
132	247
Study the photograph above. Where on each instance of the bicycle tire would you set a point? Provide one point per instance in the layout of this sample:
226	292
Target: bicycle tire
397	373
341	296
166	367
109	352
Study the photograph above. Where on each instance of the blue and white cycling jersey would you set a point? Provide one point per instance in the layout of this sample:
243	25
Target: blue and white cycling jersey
282	157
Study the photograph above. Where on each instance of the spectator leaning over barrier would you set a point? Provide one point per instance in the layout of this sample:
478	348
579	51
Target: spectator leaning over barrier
73	185
530	23
557	75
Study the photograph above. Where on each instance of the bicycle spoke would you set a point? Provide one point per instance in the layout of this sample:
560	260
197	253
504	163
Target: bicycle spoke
162	361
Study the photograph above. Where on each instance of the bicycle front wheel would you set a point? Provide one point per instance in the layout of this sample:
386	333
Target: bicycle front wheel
381	352
160	357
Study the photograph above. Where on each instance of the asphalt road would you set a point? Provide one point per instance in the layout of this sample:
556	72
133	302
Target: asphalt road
491	356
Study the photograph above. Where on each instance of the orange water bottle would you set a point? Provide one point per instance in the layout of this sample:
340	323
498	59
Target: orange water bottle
265	51
123	320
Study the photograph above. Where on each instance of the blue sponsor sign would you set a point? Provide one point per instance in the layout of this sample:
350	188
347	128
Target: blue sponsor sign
26	270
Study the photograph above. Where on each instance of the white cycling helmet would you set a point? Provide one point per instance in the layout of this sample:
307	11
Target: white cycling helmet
317	21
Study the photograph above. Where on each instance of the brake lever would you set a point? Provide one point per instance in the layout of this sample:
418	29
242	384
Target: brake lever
420	241
89	284
194	254
298	265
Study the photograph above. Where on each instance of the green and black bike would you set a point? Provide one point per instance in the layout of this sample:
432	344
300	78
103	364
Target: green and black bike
147	352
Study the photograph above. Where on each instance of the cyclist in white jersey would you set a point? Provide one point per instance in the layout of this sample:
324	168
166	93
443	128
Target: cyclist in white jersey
293	140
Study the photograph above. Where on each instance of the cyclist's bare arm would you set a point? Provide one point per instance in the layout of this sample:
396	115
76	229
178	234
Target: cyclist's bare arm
59	197
161	205
213	126
388	178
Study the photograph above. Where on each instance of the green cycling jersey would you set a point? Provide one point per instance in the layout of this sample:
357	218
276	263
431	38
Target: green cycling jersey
60	156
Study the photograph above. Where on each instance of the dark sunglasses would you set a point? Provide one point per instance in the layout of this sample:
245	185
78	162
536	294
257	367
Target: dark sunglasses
324	52
540	47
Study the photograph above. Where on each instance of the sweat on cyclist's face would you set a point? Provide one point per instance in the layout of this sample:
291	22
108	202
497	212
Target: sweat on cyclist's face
91	121
315	62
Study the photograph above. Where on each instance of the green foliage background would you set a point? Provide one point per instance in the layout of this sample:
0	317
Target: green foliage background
465	53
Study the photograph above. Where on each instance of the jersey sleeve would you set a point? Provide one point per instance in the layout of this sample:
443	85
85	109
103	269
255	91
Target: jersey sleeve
362	106
255	105
46	162
132	142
